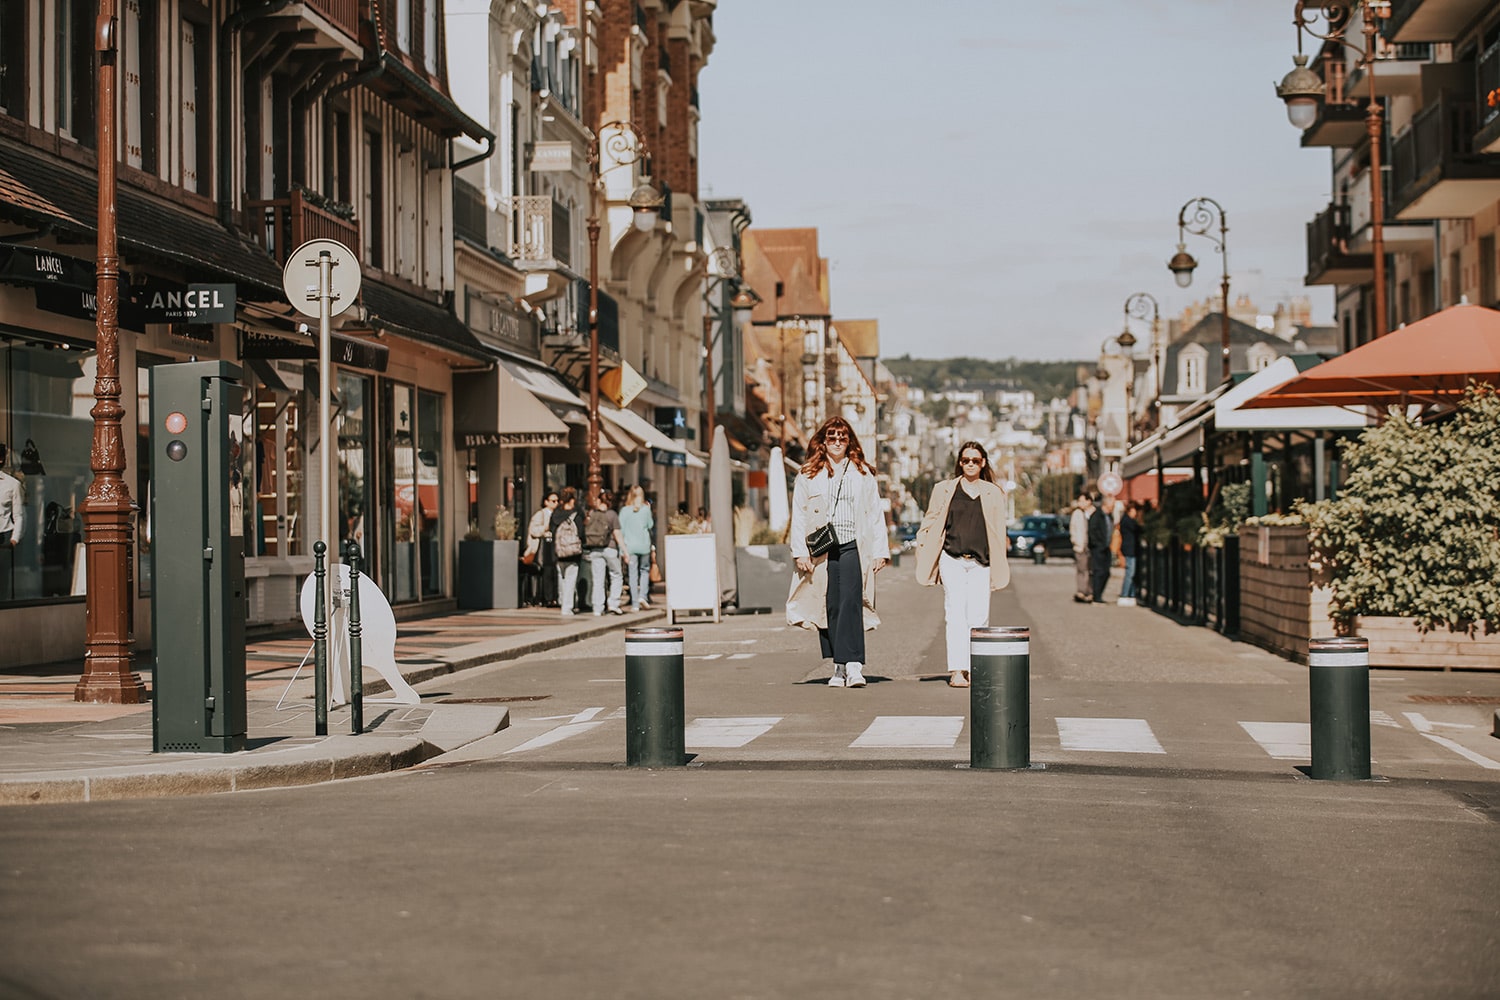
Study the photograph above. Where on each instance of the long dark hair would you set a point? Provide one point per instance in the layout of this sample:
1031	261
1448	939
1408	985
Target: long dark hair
817	449
985	472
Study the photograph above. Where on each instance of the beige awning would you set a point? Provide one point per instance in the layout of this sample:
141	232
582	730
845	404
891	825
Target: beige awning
493	408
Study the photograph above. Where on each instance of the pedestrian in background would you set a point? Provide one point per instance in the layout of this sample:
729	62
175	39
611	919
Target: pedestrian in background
961	544
544	564
636	528
1130	549
567	546
1078	532
834	592
602	544
1099	532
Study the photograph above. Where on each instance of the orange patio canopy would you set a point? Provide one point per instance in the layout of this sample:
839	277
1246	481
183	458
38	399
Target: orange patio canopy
1429	363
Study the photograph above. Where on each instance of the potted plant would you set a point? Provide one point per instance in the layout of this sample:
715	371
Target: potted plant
489	568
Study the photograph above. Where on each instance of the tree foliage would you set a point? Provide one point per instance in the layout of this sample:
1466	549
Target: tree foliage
1416	529
1046	379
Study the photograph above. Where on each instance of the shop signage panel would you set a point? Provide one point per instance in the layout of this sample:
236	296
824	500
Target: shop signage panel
346	351
512	439
24	265
195	303
663	457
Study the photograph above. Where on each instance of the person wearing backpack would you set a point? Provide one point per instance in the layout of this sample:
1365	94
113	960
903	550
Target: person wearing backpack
567	546
602	544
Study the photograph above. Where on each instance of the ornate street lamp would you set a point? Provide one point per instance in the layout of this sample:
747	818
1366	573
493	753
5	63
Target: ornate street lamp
1136	306
724	266
623	143
1303	90
1197	217
107	508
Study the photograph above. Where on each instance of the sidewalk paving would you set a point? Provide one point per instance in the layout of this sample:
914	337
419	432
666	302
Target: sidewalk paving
53	749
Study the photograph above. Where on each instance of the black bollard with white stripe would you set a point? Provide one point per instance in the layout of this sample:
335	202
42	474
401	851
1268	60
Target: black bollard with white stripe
654	723
1000	698
1338	682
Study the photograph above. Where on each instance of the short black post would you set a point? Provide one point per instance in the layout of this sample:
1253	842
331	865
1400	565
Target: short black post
654	723
1338	680
356	647
320	640
1000	698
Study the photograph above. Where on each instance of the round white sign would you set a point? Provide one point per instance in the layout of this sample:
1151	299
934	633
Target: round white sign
1111	483
299	279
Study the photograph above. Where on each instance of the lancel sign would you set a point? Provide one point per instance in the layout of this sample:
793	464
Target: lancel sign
193	304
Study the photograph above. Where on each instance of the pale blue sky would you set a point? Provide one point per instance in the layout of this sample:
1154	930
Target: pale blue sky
993	178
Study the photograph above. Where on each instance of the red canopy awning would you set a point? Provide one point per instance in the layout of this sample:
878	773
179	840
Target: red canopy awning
1429	363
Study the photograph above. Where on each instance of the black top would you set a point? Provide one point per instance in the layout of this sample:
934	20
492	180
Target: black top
964	533
1099	532
1130	537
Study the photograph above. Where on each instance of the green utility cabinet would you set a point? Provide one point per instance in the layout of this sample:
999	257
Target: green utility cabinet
198	614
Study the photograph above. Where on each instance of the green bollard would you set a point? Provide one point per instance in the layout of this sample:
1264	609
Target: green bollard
654	724
356	647
1338	681
1000	698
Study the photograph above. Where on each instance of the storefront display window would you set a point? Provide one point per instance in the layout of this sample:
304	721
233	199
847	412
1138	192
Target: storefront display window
46	392
354	449
412	530
277	474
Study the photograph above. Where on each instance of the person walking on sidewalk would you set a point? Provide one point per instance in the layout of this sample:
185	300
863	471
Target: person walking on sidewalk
636	528
1078	532
1130	549
602	544
834	591
1099	532
567	546
544	564
962	544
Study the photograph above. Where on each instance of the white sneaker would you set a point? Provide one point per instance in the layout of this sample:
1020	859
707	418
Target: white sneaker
1126	602
854	678
837	680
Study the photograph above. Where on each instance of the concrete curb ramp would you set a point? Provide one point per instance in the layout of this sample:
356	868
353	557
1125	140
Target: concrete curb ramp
332	759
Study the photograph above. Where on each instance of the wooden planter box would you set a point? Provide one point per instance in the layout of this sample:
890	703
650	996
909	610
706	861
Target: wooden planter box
1280	609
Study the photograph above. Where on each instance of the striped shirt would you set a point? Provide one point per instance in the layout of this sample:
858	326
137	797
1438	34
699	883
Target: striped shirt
842	515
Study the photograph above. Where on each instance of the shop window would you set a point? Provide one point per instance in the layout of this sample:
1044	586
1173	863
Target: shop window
46	391
278	474
412	528
74	82
354	452
141	75
13	50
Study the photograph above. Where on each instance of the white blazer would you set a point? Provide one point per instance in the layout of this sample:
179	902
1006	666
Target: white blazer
812	507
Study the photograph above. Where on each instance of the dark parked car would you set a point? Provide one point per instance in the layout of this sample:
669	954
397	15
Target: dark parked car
1038	536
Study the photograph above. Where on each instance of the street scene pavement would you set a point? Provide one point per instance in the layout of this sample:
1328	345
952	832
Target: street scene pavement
820	841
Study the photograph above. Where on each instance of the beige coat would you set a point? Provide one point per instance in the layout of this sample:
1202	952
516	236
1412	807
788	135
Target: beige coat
812	506
930	534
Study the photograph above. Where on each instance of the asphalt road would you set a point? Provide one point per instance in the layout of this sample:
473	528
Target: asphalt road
805	862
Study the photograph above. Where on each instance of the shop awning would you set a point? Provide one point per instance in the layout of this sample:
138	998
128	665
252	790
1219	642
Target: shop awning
648	434
1429	363
1230	412
494	408
1174	445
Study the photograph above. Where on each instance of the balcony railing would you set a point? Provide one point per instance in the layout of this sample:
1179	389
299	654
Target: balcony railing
1487	73
469	213
342	14
283	224
1440	136
529	230
1328	258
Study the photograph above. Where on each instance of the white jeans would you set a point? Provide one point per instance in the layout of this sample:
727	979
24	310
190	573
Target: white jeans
966	604
599	560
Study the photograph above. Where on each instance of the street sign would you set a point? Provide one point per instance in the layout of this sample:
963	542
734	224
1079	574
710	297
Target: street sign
299	279
1111	483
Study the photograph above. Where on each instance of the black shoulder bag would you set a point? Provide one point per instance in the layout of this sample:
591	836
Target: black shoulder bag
822	539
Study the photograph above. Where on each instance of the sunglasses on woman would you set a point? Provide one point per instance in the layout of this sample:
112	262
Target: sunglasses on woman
836	436
970	460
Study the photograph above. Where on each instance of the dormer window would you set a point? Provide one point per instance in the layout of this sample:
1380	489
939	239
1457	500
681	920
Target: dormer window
1191	364
1260	356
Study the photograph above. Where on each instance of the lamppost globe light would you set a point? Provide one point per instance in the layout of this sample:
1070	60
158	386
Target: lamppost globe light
645	204
1301	89
1126	340
1181	265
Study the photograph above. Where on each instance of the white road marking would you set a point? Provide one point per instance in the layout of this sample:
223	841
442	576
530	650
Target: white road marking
740	656
911	731
733	732
586	714
556	735
1282	740
1425	727
1108	735
1383	719
706	656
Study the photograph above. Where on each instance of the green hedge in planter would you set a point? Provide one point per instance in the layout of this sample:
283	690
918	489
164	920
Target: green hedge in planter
1416	530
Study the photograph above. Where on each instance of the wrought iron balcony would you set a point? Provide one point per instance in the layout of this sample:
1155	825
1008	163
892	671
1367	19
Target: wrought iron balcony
1329	260
1431	20
528	232
283	224
342	14
1435	173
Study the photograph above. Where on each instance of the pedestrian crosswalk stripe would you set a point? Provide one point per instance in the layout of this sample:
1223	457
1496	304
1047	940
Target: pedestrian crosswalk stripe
1383	719
1108	735
740	656
911	731
555	735
733	732
1282	740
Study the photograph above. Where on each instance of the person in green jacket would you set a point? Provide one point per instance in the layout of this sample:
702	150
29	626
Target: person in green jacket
637	527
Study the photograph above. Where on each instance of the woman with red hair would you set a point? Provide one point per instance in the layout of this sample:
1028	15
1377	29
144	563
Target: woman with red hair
834	591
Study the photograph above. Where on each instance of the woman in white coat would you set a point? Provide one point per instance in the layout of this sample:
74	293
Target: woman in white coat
834	592
962	544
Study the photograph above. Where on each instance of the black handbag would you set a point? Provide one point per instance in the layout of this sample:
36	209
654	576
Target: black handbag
822	539
31	460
